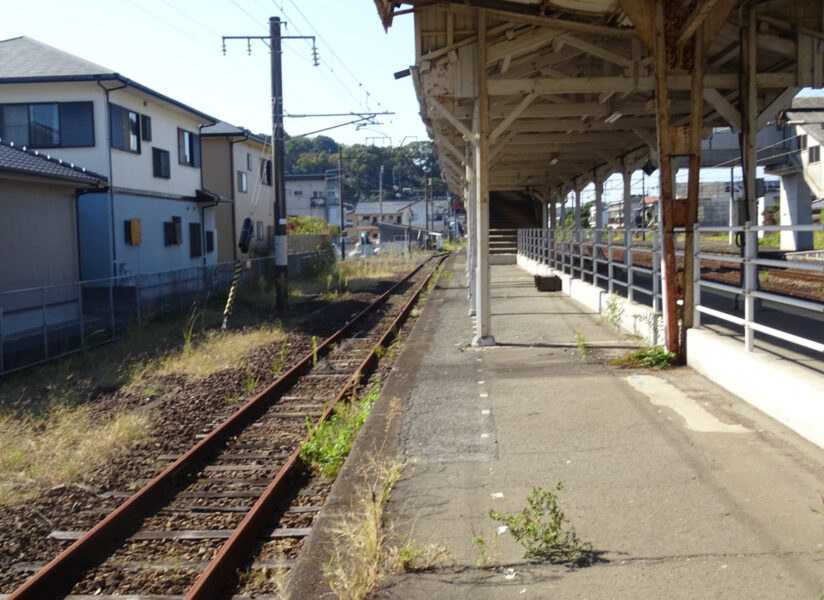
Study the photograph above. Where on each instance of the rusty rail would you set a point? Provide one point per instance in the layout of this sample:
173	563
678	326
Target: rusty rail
210	582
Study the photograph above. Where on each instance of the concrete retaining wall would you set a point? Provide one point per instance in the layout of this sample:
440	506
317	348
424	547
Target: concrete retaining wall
787	392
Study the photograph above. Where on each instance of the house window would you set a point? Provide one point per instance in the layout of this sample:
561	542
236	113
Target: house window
260	231
125	125
802	141
48	124
160	163
210	241
195	243
248	161
188	148
298	192
242	182
132	232
173	232
146	128
266	172
814	154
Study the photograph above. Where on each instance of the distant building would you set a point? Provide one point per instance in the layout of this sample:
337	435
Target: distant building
368	215
306	197
237	166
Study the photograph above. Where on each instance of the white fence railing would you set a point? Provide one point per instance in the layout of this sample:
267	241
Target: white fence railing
628	263
749	289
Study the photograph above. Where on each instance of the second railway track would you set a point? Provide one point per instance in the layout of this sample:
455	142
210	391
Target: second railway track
231	498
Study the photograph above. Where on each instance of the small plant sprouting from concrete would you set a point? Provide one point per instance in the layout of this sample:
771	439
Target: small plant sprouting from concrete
487	554
651	357
314	350
583	351
612	312
540	528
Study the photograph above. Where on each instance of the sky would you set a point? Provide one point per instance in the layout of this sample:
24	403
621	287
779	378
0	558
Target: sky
175	48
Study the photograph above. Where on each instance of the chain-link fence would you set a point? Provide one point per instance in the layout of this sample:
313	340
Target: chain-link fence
40	324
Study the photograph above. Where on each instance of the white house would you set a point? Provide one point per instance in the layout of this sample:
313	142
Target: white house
306	196
155	215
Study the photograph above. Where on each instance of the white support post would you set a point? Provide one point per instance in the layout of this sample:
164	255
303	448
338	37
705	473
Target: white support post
578	234
750	283
483	336
471	231
696	278
599	211
628	223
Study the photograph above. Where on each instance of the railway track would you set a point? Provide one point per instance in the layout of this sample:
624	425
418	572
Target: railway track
232	499
808	285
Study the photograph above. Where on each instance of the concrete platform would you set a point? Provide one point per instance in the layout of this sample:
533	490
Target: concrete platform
683	490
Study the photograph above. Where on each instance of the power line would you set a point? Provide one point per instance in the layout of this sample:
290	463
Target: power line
246	12
343	85
329	47
170	24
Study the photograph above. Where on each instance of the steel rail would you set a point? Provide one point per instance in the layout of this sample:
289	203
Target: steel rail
220	569
60	572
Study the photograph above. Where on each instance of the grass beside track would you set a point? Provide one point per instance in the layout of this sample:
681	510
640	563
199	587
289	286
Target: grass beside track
48	435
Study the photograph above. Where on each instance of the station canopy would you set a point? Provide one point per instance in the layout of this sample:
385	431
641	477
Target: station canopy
571	84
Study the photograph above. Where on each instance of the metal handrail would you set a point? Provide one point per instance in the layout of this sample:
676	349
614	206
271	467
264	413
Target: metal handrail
585	253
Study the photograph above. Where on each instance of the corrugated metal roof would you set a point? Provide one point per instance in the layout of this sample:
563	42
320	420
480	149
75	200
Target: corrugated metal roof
32	162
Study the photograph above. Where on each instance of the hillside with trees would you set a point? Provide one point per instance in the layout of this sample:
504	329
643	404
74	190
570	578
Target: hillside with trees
405	168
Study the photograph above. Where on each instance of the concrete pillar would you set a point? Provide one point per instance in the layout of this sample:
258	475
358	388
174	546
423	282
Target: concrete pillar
795	210
553	218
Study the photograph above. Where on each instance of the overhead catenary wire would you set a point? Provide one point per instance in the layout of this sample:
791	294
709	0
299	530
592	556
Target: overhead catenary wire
325	64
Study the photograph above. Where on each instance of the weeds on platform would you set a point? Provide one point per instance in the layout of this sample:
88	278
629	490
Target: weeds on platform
330	442
652	357
583	351
540	528
363	549
488	555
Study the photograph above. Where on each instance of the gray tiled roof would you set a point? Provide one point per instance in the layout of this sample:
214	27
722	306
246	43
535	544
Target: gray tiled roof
24	57
32	162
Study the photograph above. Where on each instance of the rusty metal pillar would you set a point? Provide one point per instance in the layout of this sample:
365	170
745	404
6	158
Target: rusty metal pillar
672	55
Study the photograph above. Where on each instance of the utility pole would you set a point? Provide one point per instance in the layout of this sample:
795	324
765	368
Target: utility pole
281	251
278	166
380	203
340	201
426	188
